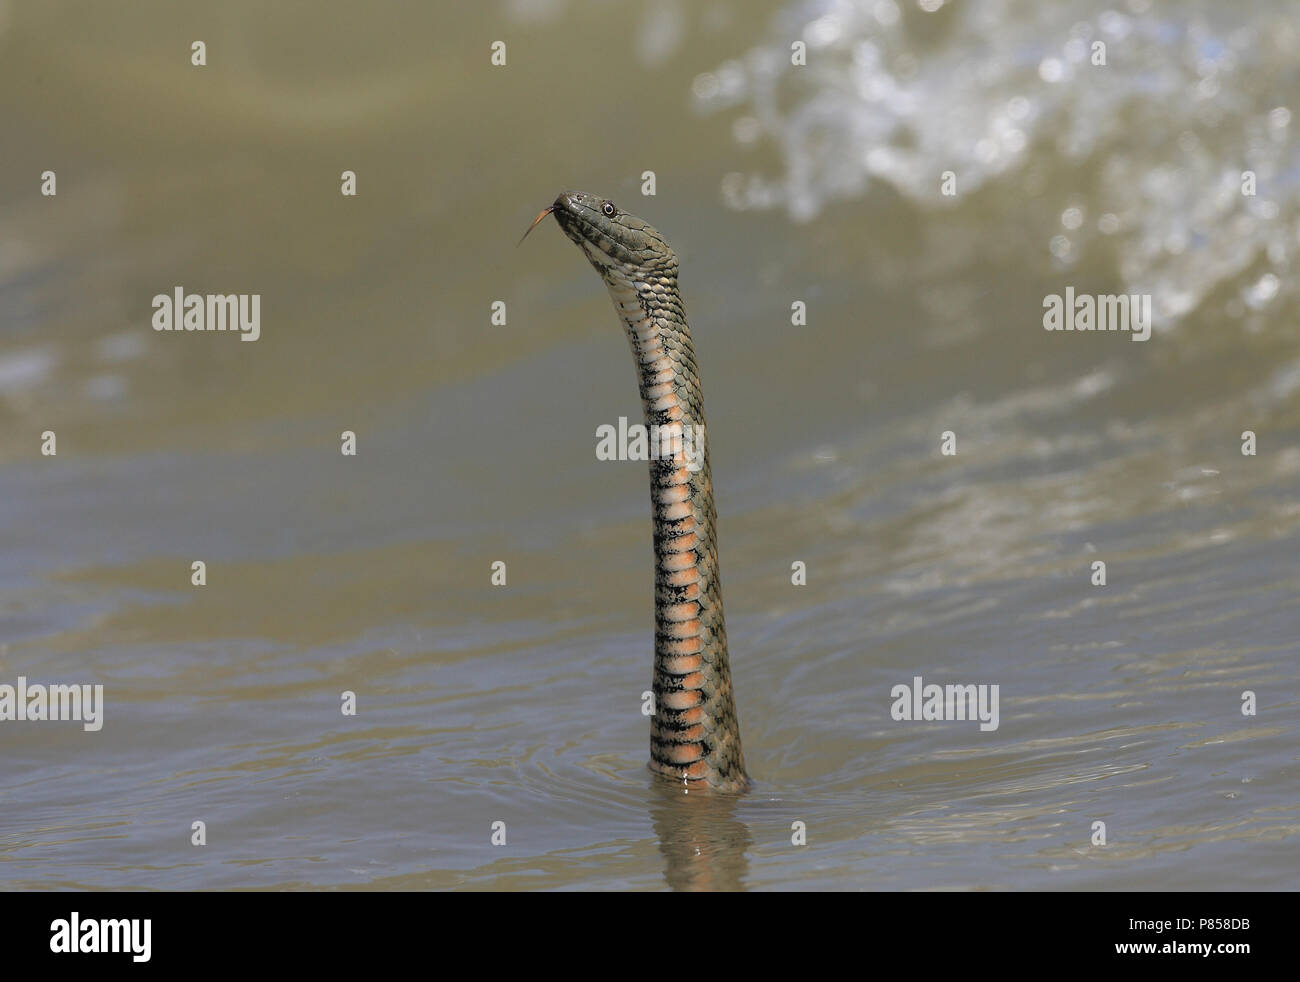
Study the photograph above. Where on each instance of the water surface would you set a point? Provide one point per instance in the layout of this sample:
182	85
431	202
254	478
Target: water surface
775	183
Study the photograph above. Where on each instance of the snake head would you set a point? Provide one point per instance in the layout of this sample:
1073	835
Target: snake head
611	237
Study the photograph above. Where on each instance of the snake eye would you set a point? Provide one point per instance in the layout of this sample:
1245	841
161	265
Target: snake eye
608	208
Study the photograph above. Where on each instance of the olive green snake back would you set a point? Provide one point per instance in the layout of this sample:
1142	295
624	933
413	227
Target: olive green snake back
694	732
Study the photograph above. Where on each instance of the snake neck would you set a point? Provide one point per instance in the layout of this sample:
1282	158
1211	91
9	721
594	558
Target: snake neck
694	733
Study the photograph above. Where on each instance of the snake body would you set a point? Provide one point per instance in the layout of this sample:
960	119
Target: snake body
694	732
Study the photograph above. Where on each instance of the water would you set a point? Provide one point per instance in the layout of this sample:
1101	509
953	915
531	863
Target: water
520	704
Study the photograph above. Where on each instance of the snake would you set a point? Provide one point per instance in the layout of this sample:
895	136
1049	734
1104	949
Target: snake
694	728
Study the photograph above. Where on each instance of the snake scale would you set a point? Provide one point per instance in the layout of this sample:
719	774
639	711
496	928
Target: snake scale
694	732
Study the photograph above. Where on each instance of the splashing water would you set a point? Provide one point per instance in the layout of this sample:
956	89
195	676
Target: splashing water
1156	111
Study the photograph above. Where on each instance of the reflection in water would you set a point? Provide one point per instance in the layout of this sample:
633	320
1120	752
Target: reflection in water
703	844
